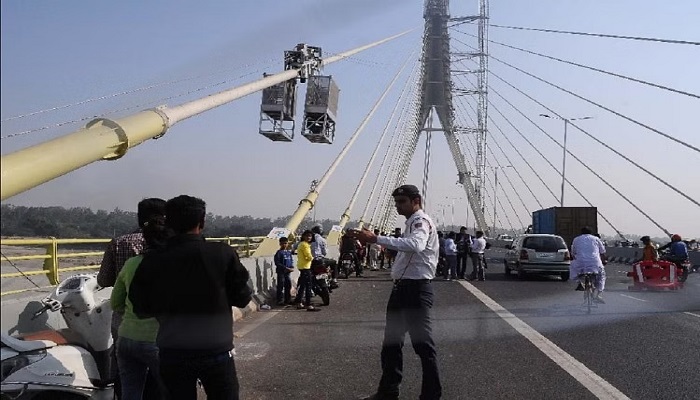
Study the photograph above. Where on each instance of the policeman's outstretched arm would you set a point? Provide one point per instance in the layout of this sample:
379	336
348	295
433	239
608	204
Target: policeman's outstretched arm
414	242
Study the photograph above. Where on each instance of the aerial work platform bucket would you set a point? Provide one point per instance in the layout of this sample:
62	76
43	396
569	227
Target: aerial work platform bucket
277	111
655	275
320	109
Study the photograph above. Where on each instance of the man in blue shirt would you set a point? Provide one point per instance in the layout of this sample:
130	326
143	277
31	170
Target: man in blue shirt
284	265
678	254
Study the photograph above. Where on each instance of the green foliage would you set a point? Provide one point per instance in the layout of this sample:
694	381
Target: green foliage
82	222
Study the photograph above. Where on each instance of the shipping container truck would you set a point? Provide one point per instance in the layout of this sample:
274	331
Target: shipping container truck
565	221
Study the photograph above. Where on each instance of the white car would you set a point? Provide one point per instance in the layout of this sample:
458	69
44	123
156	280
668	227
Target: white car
538	254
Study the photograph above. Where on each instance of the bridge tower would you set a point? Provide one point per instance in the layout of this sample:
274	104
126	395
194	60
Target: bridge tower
436	99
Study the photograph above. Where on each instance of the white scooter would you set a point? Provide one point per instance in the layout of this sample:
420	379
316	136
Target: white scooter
68	363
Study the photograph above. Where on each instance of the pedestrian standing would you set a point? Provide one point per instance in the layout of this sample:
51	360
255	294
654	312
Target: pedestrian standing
442	267
137	352
117	252
304	260
464	244
478	247
450	257
190	287
284	265
410	304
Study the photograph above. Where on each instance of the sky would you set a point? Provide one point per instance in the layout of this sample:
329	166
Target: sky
135	55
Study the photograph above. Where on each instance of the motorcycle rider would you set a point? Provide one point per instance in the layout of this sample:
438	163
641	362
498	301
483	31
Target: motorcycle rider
348	247
319	250
678	253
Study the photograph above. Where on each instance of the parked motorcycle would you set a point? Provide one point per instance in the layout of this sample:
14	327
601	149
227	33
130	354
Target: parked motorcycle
63	364
320	281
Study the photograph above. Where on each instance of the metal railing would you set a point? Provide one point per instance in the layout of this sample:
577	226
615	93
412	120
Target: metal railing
51	259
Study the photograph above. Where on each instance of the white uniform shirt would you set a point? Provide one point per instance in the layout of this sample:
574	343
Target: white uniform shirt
450	247
478	245
586	250
417	249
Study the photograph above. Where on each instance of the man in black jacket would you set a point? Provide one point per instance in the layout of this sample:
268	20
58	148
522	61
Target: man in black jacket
190	287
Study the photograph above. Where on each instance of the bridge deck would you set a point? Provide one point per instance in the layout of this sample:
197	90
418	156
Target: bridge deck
640	343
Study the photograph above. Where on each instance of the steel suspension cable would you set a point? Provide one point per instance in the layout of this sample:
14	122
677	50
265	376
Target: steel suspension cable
547	160
129	108
493	186
140	89
394	150
604	35
539	203
586	166
346	214
601	143
667	136
401	100
523	157
656	85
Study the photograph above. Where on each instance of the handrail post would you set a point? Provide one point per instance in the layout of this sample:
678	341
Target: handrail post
51	264
228	240
247	246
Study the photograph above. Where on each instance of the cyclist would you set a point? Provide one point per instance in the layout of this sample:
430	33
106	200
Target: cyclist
588	256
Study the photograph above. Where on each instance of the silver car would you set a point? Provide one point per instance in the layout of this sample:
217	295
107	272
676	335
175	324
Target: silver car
538	253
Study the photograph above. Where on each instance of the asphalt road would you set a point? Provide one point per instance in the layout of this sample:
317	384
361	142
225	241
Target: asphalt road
643	345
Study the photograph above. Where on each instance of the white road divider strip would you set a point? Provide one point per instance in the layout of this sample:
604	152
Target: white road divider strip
634	298
586	377
693	314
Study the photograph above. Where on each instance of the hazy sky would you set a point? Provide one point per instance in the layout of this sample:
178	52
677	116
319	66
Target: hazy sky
60	53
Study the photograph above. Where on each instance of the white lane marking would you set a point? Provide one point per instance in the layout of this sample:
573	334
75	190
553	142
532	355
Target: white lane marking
631	297
249	327
693	314
589	379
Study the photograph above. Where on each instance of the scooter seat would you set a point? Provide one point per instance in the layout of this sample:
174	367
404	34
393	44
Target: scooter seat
59	337
26	345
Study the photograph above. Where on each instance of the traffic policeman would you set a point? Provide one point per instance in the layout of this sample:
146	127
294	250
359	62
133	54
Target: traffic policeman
411	299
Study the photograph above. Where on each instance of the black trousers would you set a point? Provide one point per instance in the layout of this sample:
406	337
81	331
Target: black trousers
217	374
304	287
462	264
409	310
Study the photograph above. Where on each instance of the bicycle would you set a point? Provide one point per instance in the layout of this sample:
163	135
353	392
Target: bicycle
587	280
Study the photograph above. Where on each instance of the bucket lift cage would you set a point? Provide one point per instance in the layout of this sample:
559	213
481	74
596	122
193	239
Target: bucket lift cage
279	101
320	109
277	111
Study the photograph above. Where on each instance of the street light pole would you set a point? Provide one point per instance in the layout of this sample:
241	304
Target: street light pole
563	161
563	166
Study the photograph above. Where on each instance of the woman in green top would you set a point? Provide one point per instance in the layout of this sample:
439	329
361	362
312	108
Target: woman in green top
137	353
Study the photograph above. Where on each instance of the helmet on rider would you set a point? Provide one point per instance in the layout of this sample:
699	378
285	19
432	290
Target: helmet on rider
676	237
318	228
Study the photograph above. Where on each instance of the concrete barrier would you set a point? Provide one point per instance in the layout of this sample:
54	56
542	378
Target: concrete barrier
16	311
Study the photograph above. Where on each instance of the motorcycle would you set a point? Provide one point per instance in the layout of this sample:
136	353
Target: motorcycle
682	264
320	281
348	264
63	364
